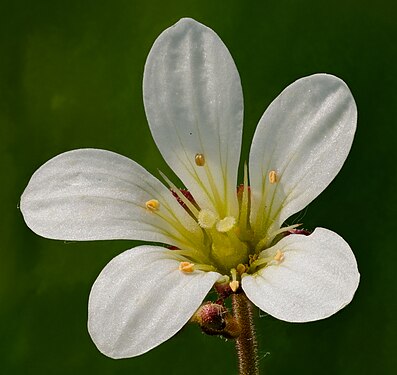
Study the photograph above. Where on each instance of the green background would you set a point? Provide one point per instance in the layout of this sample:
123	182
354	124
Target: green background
71	77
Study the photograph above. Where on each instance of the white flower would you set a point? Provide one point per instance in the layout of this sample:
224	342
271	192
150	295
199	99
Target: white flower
194	104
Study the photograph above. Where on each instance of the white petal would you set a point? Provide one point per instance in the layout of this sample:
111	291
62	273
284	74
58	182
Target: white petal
317	277
91	194
304	136
194	104
141	299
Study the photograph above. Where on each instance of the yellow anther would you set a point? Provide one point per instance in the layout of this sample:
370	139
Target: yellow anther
153	205
279	256
207	218
273	177
241	268
186	267
199	159
234	285
226	224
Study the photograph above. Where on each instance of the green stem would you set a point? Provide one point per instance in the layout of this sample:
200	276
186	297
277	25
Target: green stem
246	343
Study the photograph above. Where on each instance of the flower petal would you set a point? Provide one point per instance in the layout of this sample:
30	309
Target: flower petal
91	194
194	104
317	277
304	137
141	299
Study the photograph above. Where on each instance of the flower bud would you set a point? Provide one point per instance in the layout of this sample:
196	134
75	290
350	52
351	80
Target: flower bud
215	320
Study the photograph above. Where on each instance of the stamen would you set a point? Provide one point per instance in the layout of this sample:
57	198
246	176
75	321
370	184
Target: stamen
265	242
244	205
241	268
186	194
273	177
186	267
206	218
226	224
200	160
283	229
279	257
175	190
234	284
153	205
257	263
267	261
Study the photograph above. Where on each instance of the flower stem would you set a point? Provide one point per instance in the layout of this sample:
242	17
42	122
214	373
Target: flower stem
246	343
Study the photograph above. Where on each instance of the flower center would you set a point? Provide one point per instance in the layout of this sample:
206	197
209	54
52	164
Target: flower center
230	246
226	248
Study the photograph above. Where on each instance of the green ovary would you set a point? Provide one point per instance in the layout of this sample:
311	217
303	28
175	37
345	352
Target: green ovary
227	251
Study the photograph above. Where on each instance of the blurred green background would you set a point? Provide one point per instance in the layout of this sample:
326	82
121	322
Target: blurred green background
71	77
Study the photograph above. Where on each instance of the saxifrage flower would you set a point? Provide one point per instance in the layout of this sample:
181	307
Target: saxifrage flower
218	233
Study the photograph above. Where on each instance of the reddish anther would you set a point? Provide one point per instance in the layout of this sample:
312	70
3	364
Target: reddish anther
187	195
305	232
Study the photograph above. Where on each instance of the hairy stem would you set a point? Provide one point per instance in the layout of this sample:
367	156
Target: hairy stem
246	343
